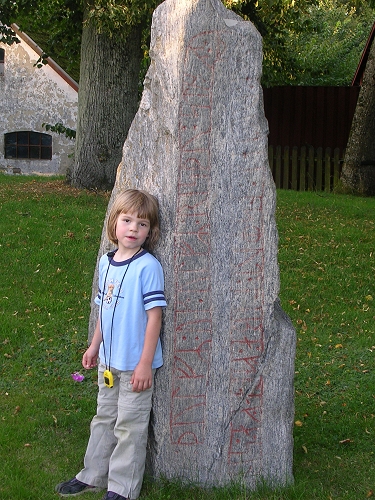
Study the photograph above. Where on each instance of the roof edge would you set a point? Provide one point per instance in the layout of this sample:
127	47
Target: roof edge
58	69
358	76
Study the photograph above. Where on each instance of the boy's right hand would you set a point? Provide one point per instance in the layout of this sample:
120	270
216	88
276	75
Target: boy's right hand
89	359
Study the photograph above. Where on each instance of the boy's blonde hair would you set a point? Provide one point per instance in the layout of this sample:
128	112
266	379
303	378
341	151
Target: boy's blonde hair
138	202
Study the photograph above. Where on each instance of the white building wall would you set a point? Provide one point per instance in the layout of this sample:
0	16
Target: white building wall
30	96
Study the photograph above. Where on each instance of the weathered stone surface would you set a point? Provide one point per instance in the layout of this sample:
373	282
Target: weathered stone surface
223	406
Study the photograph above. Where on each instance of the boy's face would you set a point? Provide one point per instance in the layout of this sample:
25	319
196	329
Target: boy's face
131	231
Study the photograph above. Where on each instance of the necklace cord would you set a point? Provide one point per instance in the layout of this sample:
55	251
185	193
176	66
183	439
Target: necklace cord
108	367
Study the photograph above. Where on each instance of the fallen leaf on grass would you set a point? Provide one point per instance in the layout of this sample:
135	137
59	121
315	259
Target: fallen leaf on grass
346	441
369	494
304	449
298	423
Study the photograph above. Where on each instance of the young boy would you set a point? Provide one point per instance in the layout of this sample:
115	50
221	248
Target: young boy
126	338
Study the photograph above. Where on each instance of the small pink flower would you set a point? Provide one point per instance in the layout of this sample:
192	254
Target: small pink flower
77	377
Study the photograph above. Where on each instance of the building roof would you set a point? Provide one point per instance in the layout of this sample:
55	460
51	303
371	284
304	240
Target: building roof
58	69
358	76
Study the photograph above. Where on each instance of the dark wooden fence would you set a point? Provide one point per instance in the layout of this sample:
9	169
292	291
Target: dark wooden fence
310	116
308	133
305	168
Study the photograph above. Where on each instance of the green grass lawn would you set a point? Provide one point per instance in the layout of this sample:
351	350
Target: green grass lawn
49	240
327	263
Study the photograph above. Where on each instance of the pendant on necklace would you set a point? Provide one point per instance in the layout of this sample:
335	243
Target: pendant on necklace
108	297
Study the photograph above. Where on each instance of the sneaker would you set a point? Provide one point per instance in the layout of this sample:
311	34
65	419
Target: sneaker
74	487
111	495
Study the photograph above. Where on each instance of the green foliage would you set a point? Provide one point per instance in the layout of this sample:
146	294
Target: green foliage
56	25
8	36
59	128
49	238
328	49
305	43
309	43
275	20
43	59
115	18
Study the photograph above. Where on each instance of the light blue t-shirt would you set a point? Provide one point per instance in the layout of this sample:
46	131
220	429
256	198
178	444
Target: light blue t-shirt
123	327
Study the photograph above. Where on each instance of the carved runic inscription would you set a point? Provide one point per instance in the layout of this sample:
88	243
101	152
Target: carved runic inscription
193	319
193	316
247	341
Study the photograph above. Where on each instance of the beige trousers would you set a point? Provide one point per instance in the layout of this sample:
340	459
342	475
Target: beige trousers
116	451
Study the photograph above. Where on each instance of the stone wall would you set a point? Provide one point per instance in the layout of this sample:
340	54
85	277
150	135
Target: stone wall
30	96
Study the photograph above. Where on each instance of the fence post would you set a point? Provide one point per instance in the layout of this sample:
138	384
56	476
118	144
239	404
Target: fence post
278	167
286	168
295	168
310	169
270	160
327	171
336	167
319	169
302	174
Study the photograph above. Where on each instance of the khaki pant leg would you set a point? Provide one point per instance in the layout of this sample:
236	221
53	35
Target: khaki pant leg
127	462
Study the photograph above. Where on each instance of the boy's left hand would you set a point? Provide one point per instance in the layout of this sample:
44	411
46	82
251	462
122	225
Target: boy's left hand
142	377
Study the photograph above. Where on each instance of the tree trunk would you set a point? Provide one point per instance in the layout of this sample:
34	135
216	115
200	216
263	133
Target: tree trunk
107	103
358	174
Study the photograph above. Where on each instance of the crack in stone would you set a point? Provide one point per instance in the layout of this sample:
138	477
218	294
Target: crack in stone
262	364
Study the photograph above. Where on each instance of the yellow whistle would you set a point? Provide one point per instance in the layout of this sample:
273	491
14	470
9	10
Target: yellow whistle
108	378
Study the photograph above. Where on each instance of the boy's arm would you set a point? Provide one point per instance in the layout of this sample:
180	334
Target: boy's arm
142	375
90	357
